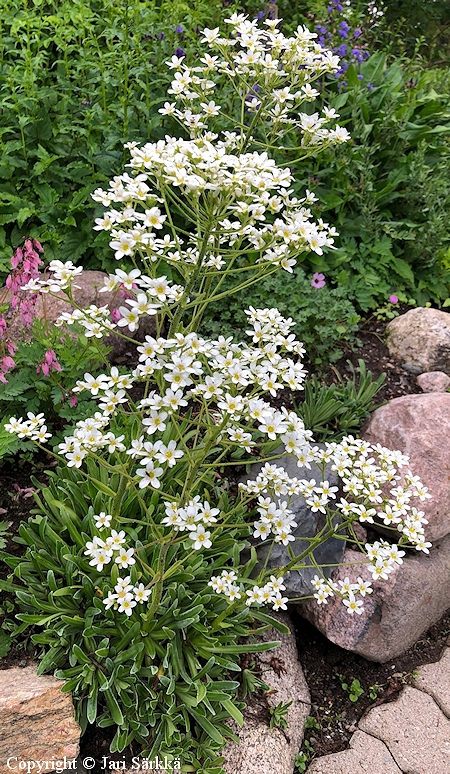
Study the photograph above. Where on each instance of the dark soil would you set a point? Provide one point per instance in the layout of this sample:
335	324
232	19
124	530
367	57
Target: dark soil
399	380
327	667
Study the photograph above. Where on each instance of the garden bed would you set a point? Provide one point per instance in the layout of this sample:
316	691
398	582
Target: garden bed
327	667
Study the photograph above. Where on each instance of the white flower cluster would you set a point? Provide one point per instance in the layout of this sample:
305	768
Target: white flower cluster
345	589
193	518
126	596
225	584
187	368
261	214
270	72
102	550
270	594
366	470
383	557
33	428
62	278
96	320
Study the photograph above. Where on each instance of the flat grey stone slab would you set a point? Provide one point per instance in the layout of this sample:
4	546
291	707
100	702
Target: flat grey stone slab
434	679
365	754
415	730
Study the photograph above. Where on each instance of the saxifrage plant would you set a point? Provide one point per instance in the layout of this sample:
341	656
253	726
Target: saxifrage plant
135	563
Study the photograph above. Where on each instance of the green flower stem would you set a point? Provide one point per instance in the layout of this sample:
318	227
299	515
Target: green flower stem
158	581
119	497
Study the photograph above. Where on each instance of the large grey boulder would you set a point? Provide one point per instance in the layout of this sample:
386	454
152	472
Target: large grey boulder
327	555
421	338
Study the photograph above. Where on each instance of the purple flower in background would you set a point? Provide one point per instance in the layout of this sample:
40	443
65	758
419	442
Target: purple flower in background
370	86
160	36
360	76
393	299
342	50
260	15
179	29
180	53
343	29
318	280
356	32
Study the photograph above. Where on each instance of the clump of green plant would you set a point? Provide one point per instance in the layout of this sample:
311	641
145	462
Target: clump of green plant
354	689
339	409
304	758
324	318
279	715
387	192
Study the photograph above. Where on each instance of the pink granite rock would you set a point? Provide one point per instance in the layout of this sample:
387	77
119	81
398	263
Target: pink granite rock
264	749
396	614
433	381
421	338
419	425
36	719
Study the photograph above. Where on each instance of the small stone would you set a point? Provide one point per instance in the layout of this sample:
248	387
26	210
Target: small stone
434	679
421	338
411	368
36	718
365	754
433	381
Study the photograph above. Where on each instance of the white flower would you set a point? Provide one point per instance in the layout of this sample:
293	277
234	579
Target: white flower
150	476
200	537
116	539
126	604
103	520
125	558
353	605
141	594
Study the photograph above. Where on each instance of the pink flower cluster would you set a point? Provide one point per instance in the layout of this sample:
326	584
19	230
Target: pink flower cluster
25	266
49	363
